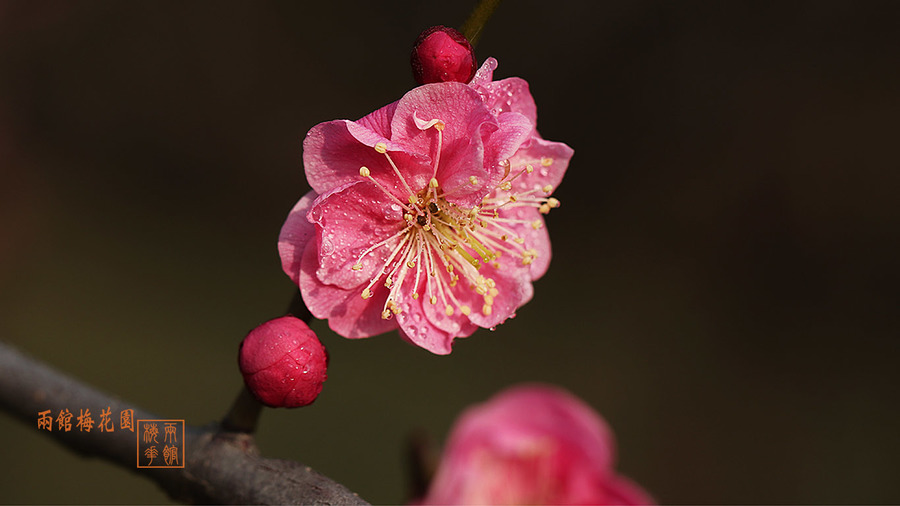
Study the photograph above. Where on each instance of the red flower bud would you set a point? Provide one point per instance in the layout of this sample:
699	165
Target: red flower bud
283	363
442	54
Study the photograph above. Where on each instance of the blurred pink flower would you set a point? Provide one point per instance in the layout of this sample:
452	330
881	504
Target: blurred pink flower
531	444
425	215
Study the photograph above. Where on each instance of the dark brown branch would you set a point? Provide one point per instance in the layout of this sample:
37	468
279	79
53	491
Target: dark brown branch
220	466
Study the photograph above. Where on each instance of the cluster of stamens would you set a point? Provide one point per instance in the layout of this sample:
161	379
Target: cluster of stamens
437	235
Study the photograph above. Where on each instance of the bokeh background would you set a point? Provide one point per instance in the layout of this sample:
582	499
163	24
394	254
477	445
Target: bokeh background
724	288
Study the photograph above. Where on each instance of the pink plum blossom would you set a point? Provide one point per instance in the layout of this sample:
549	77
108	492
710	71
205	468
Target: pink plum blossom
531	444
426	215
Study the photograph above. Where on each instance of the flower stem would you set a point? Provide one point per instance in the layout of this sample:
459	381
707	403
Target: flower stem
298	309
479	17
244	413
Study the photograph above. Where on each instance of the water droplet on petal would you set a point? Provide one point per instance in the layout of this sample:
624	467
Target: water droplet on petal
417	317
327	246
492	329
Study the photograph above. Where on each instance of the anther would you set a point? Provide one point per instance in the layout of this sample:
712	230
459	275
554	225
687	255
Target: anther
433	183
381	147
449	310
473	180
364	171
547	189
465	310
546	162
357	267
366	293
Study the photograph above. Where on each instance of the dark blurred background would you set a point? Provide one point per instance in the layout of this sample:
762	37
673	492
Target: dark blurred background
724	288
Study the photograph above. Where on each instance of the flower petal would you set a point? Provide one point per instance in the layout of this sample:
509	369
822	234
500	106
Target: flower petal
537	239
419	330
296	232
510	95
456	324
549	160
513	286
379	121
465	120
333	153
515	129
347	312
349	220
484	74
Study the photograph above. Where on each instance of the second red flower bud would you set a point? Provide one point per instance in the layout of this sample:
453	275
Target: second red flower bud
283	363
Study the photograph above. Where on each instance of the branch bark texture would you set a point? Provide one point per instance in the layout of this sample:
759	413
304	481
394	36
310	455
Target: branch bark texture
220	466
